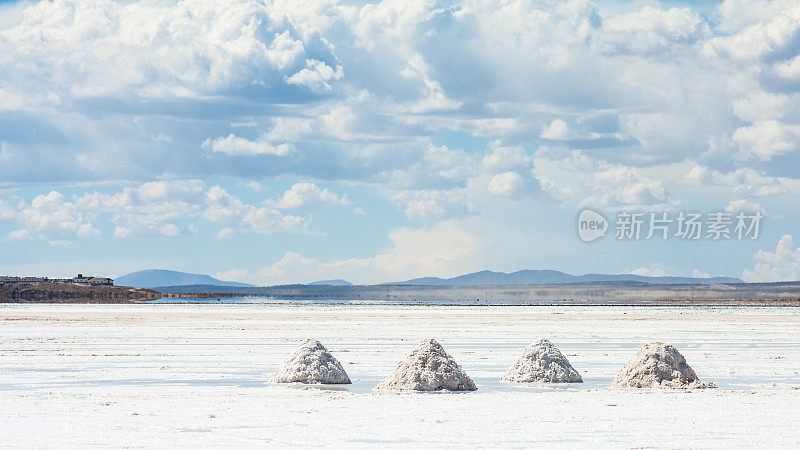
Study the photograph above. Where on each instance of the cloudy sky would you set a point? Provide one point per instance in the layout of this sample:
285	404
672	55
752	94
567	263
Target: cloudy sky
292	141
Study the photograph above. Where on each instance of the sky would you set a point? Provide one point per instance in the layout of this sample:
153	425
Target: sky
294	141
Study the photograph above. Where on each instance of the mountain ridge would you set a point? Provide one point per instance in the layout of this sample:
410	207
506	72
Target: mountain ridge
545	276
152	278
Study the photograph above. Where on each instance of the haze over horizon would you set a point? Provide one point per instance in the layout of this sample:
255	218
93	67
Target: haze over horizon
271	144
155	278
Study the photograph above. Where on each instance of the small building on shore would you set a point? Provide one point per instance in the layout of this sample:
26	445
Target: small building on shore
80	279
94	281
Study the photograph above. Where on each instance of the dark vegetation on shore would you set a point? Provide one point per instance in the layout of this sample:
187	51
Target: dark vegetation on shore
73	293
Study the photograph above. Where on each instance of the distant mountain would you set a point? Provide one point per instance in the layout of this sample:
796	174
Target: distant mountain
159	278
337	282
489	278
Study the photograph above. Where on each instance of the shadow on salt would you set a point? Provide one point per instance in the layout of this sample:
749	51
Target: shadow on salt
485	385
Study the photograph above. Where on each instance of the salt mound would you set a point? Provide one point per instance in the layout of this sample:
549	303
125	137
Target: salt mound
542	361
311	363
658	365
428	368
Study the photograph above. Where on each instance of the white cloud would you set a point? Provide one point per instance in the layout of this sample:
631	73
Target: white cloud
271	221
743	205
639	82
600	184
741	181
432	204
393	99
53	218
316	76
768	28
763	140
761	106
505	184
442	249
174	190
152	209
652	30
228	210
169	208
8	206
148	226
237	146
232	275
5	148
557	130
663	270
308	195
781	265
626	186
501	158
19	235
178	50
654	270
225	233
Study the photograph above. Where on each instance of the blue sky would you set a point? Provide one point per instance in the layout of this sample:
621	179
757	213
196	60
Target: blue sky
296	141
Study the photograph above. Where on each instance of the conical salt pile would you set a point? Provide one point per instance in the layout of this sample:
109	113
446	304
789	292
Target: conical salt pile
543	362
428	368
311	363
658	365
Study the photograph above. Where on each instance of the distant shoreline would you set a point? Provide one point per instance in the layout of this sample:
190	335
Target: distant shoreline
586	294
612	292
456	303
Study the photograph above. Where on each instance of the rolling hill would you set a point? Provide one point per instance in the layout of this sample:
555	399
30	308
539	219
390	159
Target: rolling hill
158	278
489	278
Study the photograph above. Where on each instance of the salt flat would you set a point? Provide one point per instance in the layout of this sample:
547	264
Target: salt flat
196	375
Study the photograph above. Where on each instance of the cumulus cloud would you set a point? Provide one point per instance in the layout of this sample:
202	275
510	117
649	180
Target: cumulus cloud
286	71
764	140
743	205
654	270
53	218
584	181
232	275
237	146
233	214
663	270
505	184
432	204
587	103
442	249
153	49
308	195
653	31
151	209
556	130
781	265
742	181
19	235
170	208
225	233
502	158
280	69
316	76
